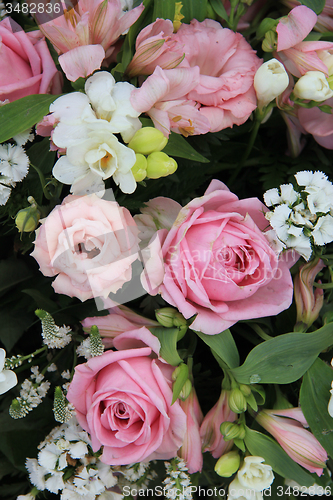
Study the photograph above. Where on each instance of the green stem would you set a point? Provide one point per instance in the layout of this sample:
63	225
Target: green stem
260	332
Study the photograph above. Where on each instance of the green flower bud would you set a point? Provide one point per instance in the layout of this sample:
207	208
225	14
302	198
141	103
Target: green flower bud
229	430
166	316
139	169
160	165
175	374
269	43
27	219
186	390
228	464
237	402
245	389
148	140
179	320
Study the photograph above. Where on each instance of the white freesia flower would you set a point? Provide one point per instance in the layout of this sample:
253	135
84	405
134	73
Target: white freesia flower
8	378
14	162
111	102
237	491
270	80
255	474
99	157
313	86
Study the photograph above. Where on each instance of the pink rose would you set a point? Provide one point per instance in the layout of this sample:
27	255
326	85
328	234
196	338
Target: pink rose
90	243
217	264
123	399
26	65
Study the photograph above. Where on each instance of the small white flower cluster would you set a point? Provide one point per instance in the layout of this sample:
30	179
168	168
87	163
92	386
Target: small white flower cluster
83	349
55	337
31	394
302	217
137	475
177	483
86	128
65	464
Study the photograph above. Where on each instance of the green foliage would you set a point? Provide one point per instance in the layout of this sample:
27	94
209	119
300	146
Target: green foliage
316	5
194	9
168	339
223	346
21	115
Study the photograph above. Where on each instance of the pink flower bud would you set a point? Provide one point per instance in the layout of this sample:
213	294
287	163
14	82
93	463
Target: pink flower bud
212	439
308	301
191	447
296	441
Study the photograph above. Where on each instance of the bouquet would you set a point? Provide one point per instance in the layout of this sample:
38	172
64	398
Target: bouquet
166	262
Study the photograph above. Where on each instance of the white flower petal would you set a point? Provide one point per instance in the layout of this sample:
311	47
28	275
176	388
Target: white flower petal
67	173
272	197
10	381
323	230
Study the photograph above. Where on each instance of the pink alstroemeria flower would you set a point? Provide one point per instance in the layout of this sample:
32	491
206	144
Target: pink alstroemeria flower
191	447
95	25
296	441
155	47
308	301
325	18
212	439
298	56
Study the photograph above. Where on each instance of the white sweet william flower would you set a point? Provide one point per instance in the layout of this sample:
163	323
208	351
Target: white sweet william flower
270	80
86	165
323	230
111	102
313	86
311	180
279	220
5	190
14	162
8	378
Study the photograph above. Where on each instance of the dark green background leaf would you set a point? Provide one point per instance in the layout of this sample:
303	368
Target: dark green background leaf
224	346
178	146
314	398
193	9
285	358
316	5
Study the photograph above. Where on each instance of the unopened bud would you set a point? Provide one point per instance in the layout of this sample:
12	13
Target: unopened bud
228	464
270	80
27	219
229	430
245	389
269	43
160	165
148	140
96	345
186	390
139	169
166	316
237	402
313	86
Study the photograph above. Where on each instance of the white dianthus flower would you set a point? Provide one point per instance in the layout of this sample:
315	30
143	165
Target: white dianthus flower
14	163
323	230
37	473
5	190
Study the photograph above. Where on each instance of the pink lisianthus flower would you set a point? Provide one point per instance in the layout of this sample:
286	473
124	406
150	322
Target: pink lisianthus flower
287	426
123	399
191	447
212	439
86	34
90	244
155	46
26	65
211	89
217	263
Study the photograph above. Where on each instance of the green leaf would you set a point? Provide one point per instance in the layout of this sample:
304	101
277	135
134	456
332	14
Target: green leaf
224	346
13	326
285	358
12	272
314	398
316	5
180	381
21	115
263	446
178	146
194	9
168	339
218	7
266	24
42	301
164	9
251	401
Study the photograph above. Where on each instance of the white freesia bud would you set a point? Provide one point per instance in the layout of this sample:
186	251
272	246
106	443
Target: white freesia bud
270	80
313	86
330	403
